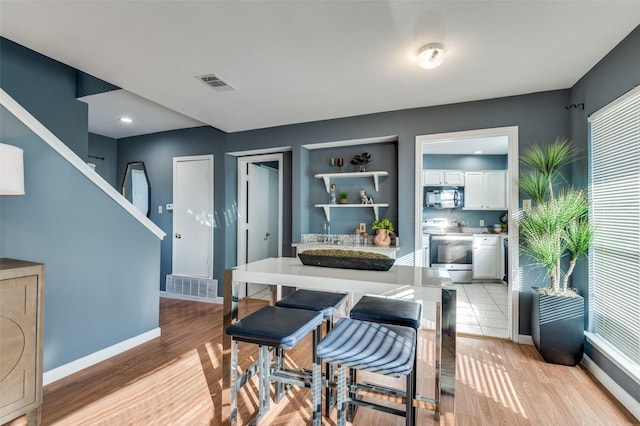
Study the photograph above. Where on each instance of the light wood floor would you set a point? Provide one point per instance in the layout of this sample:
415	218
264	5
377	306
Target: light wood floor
175	380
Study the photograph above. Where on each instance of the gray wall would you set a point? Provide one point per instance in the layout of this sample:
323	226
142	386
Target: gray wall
613	76
102	265
106	166
157	151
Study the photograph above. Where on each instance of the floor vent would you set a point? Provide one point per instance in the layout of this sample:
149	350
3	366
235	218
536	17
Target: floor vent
215	82
192	287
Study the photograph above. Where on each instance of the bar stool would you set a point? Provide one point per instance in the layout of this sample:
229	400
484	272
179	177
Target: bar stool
278	328
384	310
383	349
320	301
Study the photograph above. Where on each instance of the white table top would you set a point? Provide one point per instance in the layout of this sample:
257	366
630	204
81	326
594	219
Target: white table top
426	283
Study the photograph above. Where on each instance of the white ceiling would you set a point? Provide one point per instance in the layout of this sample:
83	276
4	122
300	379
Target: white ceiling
300	61
492	145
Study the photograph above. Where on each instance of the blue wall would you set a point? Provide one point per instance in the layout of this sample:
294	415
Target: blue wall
613	76
157	151
102	265
106	166
47	89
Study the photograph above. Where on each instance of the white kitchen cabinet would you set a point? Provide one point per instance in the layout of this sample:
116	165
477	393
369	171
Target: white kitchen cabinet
443	178
487	257
485	190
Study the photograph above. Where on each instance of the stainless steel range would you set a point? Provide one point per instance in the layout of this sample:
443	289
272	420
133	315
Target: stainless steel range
449	248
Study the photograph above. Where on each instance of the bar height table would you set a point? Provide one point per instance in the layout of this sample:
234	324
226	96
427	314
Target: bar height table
427	284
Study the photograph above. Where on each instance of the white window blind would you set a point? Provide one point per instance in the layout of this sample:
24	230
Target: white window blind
614	258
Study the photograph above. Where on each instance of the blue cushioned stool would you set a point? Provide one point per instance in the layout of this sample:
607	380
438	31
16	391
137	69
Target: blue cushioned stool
321	301
384	310
383	349
278	328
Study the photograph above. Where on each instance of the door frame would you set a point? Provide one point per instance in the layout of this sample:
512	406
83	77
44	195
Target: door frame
243	164
210	158
511	132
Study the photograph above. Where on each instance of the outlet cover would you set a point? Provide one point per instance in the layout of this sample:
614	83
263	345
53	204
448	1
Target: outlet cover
481	222
363	227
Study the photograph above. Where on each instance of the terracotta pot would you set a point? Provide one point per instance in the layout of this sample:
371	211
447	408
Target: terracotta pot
382	237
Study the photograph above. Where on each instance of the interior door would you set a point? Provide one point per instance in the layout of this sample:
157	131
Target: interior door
260	212
193	216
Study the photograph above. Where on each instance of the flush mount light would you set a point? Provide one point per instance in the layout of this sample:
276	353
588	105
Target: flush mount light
126	120
477	152
431	55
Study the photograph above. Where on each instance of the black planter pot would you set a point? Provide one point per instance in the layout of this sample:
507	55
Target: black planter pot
557	327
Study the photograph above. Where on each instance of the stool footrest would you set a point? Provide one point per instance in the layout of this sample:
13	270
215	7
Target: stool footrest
375	406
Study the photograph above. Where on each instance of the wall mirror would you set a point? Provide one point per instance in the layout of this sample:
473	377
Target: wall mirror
136	187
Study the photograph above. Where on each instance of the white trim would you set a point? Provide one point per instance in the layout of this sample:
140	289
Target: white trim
36	127
628	401
511	132
525	339
87	361
217	300
260	151
626	365
352	142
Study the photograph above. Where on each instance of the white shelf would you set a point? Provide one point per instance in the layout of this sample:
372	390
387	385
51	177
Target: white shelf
326	177
327	207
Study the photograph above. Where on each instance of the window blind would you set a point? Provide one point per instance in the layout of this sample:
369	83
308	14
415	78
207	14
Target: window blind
614	258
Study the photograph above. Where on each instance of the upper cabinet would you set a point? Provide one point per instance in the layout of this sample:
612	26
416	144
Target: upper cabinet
486	190
443	178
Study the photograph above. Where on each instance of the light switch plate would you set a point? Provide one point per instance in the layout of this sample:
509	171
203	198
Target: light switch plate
526	205
160	209
481	222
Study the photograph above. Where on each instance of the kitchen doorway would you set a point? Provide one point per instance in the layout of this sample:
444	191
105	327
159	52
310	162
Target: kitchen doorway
485	307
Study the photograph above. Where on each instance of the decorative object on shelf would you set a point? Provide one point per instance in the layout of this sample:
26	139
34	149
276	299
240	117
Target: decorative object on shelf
332	162
361	161
364	198
344	197
332	194
346	259
556	226
382	227
464	226
340	162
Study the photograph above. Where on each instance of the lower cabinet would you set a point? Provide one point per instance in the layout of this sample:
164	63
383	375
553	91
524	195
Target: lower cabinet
487	257
21	327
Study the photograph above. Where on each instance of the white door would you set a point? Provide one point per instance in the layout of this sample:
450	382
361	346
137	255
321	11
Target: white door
193	216
259	212
262	217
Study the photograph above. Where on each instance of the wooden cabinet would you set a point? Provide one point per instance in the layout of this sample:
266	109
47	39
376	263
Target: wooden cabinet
443	178
485	190
21	328
487	257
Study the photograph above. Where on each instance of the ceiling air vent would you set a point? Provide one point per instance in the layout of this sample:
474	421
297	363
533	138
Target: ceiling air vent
215	82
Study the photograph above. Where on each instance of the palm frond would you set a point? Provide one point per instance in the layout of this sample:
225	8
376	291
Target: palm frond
534	184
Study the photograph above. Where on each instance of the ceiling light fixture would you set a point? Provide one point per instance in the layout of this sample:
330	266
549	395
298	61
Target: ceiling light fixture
477	152
126	120
431	55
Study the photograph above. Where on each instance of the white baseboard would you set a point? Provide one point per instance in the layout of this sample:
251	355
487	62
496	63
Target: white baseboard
525	339
629	402
96	357
218	300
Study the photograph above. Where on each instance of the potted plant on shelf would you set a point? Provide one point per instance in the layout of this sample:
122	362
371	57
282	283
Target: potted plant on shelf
382	227
556	227
343	197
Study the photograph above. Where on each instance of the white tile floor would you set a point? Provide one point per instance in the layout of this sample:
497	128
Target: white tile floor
482	309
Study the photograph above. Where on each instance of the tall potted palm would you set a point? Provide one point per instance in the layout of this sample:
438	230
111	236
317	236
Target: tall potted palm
555	232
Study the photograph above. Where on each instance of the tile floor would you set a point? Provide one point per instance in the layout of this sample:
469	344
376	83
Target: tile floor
482	309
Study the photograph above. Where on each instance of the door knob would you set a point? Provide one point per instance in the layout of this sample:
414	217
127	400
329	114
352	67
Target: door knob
178	236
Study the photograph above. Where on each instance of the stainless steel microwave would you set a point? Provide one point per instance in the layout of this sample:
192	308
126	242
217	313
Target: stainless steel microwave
443	197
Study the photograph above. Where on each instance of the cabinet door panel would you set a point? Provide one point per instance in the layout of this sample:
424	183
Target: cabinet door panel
496	190
473	191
